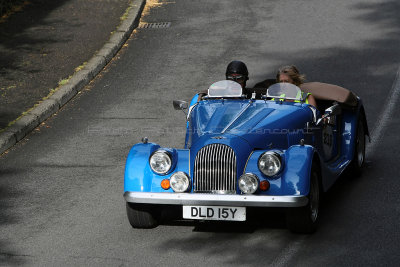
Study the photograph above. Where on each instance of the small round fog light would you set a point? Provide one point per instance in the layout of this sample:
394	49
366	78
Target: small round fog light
179	182
248	183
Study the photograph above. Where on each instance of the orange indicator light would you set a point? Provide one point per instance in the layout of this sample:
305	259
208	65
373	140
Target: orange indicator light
264	185
165	184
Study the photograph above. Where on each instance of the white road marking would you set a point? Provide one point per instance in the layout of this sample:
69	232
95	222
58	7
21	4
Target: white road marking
386	114
293	247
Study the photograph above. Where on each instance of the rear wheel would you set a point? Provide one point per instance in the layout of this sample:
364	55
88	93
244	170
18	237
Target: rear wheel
142	215
304	219
359	150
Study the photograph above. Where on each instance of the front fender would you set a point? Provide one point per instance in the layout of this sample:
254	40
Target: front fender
295	176
297	171
138	175
137	167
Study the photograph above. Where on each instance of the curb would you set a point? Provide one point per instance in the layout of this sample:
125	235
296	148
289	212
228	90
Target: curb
11	135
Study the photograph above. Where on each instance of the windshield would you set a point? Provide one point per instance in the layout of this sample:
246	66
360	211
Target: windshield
284	91
224	89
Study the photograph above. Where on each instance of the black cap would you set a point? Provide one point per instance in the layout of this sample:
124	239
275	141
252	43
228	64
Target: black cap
237	67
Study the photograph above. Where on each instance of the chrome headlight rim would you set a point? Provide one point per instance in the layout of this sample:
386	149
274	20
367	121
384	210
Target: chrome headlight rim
169	156
257	183
172	182
278	156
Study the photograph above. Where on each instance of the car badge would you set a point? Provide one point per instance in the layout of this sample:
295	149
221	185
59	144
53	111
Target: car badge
218	137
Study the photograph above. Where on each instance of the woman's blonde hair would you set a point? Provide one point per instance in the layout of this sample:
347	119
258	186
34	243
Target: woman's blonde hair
293	73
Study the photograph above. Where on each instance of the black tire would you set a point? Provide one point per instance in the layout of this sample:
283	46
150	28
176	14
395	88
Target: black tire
304	220
142	215
357	163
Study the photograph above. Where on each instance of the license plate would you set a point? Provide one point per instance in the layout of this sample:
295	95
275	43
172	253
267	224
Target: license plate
214	213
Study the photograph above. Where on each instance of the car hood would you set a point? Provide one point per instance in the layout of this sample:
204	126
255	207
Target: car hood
262	124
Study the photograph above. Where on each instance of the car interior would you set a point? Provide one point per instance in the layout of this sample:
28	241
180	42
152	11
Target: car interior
325	94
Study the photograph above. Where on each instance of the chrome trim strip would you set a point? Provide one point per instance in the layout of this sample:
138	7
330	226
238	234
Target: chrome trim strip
245	166
190	110
215	199
190	174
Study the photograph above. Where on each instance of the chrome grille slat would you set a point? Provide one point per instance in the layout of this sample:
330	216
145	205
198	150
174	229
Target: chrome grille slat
203	163
224	159
212	156
228	163
215	169
195	172
219	163
204	168
208	169
229	171
232	167
212	173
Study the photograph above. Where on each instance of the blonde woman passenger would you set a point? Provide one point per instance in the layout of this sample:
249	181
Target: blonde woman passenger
290	74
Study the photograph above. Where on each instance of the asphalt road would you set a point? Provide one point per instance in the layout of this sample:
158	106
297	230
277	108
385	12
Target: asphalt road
61	188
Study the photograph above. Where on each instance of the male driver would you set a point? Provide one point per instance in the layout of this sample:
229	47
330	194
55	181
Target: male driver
237	71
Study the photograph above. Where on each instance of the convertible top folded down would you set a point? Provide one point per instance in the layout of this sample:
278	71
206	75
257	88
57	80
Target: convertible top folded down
325	91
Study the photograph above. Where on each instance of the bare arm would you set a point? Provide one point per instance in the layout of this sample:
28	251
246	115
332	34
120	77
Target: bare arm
311	100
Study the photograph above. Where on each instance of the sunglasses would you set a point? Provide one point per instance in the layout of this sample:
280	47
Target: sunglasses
236	78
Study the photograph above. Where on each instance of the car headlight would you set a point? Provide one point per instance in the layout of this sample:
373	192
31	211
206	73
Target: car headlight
270	163
179	182
160	162
248	183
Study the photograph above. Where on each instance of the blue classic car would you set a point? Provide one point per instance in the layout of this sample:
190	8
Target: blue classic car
266	148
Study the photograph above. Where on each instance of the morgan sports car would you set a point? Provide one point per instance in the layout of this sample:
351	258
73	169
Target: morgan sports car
250	150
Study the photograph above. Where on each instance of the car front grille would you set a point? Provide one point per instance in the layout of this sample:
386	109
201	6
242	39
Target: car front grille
215	170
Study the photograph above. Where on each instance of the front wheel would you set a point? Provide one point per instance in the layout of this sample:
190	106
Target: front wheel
142	215
304	220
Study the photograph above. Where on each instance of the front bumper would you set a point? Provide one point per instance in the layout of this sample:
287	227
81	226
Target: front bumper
215	199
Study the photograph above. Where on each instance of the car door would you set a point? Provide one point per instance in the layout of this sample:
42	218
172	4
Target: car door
330	138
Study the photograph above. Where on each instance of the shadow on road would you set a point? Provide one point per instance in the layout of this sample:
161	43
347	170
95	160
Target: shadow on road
257	218
368	70
8	198
44	43
27	42
17	34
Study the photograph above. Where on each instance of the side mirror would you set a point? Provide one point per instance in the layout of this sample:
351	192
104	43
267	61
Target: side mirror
180	105
329	112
